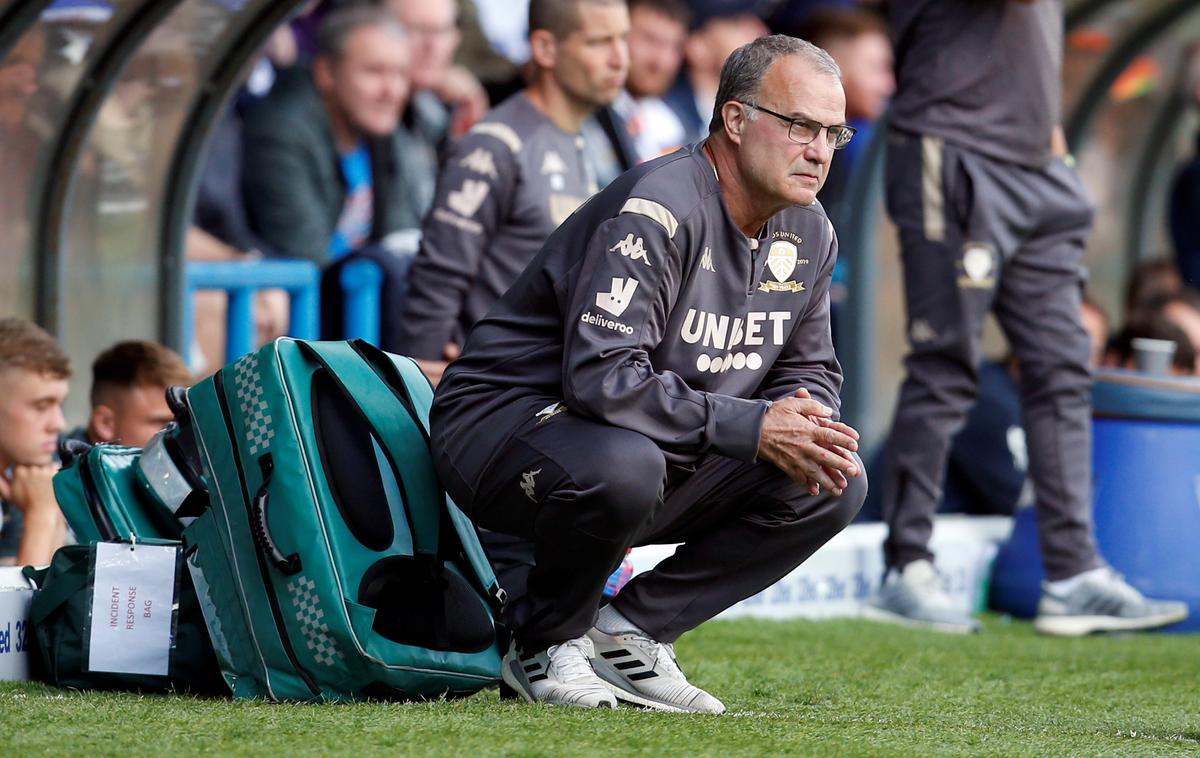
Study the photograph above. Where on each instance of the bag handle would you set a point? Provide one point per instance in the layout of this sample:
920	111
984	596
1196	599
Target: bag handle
400	435
52	595
260	527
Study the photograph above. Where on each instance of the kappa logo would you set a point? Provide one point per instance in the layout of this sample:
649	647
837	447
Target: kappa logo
549	412
466	200
527	483
616	300
631	249
781	260
481	162
706	263
552	163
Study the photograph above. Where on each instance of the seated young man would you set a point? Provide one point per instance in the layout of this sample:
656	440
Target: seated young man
129	393
34	372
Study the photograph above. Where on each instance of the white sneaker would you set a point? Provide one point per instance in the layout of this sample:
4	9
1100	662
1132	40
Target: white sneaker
1103	602
560	675
914	597
645	672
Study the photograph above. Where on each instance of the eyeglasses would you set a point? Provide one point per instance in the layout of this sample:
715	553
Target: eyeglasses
803	131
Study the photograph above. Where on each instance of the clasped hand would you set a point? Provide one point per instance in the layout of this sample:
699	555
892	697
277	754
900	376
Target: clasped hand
800	437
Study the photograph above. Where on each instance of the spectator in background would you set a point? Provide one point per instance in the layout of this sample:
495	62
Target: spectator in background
858	40
326	171
1121	353
329	171
1022	218
129	389
447	99
515	177
718	28
657	32
34	374
1150	281
1181	309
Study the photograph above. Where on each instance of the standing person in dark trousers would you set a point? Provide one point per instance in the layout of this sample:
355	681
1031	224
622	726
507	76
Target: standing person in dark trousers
514	177
992	218
663	372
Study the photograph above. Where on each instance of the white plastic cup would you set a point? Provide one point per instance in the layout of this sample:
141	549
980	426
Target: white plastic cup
1153	356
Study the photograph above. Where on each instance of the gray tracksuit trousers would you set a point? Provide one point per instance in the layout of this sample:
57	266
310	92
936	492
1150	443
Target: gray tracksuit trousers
564	497
980	235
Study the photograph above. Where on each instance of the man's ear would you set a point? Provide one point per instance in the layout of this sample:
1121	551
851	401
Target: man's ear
544	48
733	115
103	424
322	70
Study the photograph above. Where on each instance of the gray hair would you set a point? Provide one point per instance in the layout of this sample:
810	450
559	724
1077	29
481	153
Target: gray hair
339	25
741	77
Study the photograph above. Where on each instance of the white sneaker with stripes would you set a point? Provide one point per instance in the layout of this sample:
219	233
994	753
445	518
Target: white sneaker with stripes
645	672
559	675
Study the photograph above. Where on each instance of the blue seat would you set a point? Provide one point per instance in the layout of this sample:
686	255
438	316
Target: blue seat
1146	472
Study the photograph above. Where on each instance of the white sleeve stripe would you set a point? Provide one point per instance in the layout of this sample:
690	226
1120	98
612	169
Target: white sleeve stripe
502	132
652	210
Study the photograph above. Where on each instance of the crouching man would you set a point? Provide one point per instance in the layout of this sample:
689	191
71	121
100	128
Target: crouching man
662	372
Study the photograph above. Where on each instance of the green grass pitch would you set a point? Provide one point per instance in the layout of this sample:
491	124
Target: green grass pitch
834	688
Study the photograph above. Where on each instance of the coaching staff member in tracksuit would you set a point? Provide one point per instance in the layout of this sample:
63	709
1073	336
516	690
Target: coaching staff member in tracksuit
517	175
991	217
663	372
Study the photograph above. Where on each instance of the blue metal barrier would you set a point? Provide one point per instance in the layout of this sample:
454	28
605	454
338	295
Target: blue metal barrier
300	279
362	283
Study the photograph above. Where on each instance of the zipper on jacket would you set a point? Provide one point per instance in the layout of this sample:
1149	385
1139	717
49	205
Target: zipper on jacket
756	265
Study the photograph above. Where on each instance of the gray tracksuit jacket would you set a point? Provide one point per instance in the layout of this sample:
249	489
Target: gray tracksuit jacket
502	190
650	310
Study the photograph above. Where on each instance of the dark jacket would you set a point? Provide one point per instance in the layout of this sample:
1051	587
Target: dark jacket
681	98
648	309
293	180
503	188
